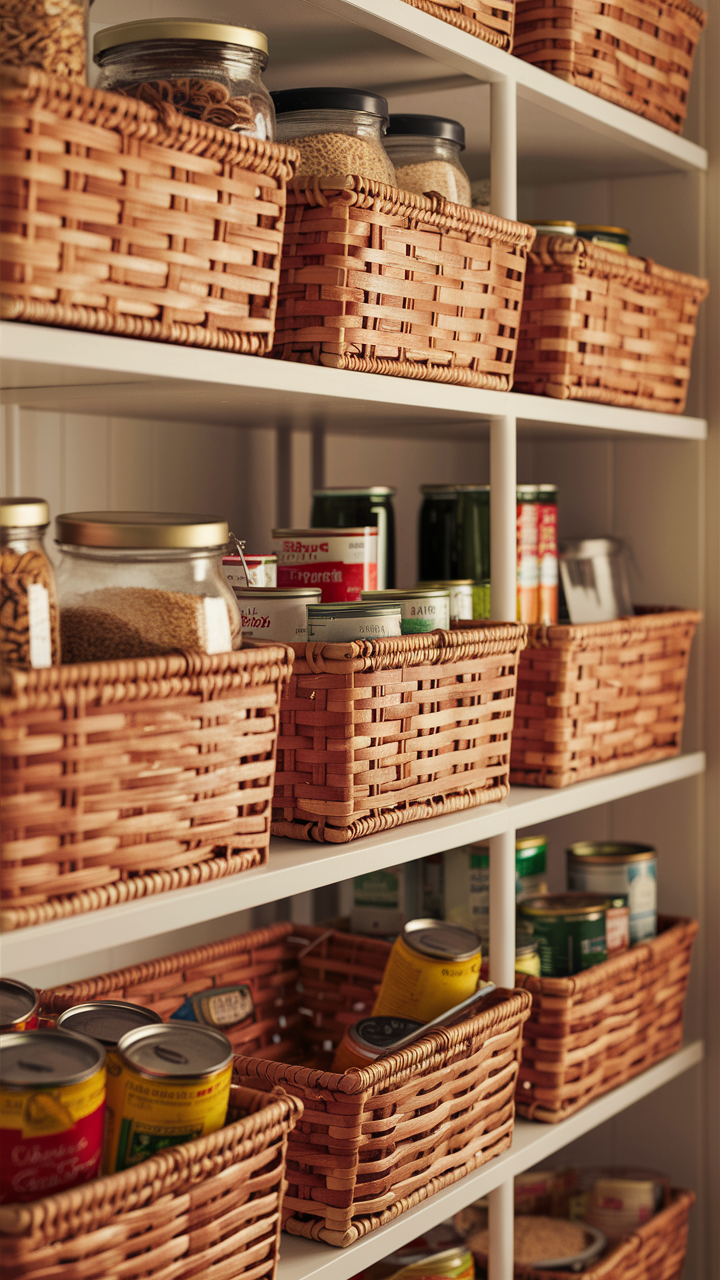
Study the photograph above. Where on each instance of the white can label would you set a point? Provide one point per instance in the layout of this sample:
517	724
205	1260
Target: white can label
282	619
262	572
39	624
461	603
337	630
341	565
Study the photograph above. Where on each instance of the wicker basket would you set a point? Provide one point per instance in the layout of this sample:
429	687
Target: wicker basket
380	1139
211	1207
118	220
122	779
377	733
488	21
638	54
384	281
592	1032
601	697
598	325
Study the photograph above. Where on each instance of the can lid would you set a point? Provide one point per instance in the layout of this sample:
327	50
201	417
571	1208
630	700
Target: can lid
442	939
47	1059
526	949
140	530
23	513
372	491
106	1021
365	530
177	29
526	843
609	852
381	1032
353	609
404	123
589	228
17	1000
329	99
178	1050
405	593
564	904
278	593
559	224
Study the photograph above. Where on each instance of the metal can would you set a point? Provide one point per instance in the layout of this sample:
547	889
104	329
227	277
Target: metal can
432	967
18	1006
421	608
454	538
367	1039
548	553
460	591
618	868
261	570
617	238
617	926
530	866
169	1084
52	1110
334	623
528	575
341	562
467	881
337	508
439	1254
276	613
527	959
106	1021
569	929
547	227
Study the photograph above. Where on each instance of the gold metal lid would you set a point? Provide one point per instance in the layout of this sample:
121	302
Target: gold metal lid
140	530
177	29
564	904
609	852
551	222
27	513
598	229
531	842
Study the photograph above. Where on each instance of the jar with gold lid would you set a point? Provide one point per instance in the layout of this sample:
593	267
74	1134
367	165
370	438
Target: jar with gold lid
29	635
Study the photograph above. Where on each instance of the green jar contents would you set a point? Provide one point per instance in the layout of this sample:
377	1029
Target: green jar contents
344	508
569	930
422	608
454	538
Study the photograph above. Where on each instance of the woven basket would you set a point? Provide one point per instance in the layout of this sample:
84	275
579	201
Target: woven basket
211	1207
638	54
377	1140
119	220
592	1032
492	22
380	280
600	697
122	779
377	733
598	325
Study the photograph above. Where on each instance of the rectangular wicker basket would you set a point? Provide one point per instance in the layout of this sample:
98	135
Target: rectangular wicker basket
122	779
119	220
377	733
599	325
488	21
592	1032
600	697
638	54
376	1140
383	281
211	1207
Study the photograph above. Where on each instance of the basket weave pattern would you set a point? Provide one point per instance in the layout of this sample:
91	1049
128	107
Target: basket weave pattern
638	54
597	325
592	1032
122	779
119	220
374	734
490	22
600	697
211	1207
384	281
380	1139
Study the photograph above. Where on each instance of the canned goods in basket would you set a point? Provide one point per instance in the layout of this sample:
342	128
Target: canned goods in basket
333	623
337	508
276	613
341	562
106	1021
527	959
460	591
569	929
367	1039
432	967
421	608
261	570
623	869
170	1083
18	1006
52	1110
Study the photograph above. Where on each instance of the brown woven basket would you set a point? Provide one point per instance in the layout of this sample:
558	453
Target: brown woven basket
491	22
122	779
377	733
600	697
379	1139
592	1032
119	220
211	1207
638	54
383	281
598	325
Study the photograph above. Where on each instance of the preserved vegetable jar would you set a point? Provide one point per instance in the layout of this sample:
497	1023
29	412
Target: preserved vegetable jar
29	633
135	584
210	71
455	538
336	131
49	34
425	151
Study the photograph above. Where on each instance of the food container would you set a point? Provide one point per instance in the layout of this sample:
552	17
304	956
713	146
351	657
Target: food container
246	570
336	131
18	1006
210	71
609	237
454	538
52	1100
467	881
421	608
369	1038
569	929
528	568
527	959
617	925
594	579
29	631
106	1021
49	34
433	966
339	508
439	1254
548	553
614	868
425	152
547	1244
135	584
545	228
620	1201
276	613
383	901
331	623
460	591
341	562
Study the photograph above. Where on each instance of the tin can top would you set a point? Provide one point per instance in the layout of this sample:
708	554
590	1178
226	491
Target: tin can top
106	1021
382	1032
442	939
609	852
564	904
48	1059
177	1050
354	609
391	594
17	1001
278	593
363	530
531	842
525	949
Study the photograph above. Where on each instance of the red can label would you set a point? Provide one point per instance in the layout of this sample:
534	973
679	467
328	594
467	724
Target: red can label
528	584
341	564
548	560
50	1140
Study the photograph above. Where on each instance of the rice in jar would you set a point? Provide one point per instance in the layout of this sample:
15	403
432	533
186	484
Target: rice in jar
425	151
337	132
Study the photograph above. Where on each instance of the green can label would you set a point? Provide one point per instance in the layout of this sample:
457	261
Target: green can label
568	944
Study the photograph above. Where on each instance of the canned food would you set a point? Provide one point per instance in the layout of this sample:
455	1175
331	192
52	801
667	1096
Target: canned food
106	1021
569	929
467	882
433	966
460	591
614	869
18	1006
333	623
550	228
367	1039
617	238
528	573
617	926
527	959
439	1254
548	553
337	508
218	1007
530	863
617	1206
276	613
261	570
52	1110
341	562
421	608
383	901
169	1084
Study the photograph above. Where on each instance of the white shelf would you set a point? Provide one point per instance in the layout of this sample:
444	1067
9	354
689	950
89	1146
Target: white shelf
73	372
296	867
307	1260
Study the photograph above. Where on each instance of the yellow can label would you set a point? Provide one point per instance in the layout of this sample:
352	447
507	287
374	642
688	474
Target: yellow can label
529	964
37	1114
421	987
145	1116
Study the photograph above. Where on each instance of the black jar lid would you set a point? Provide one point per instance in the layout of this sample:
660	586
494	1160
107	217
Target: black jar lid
427	127
327	99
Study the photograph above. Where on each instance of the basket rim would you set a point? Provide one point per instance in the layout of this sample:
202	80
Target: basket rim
583	255
686	6
433	647
540	636
685	928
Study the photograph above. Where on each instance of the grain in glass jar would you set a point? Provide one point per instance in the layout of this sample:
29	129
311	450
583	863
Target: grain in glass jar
425	151
336	131
210	71
29	633
136	584
49	34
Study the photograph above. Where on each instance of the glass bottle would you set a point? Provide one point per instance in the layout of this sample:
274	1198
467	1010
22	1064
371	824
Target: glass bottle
29	632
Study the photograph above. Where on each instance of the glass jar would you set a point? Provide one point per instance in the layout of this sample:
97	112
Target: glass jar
134	584
425	151
29	632
337	132
49	34
454	538
209	71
